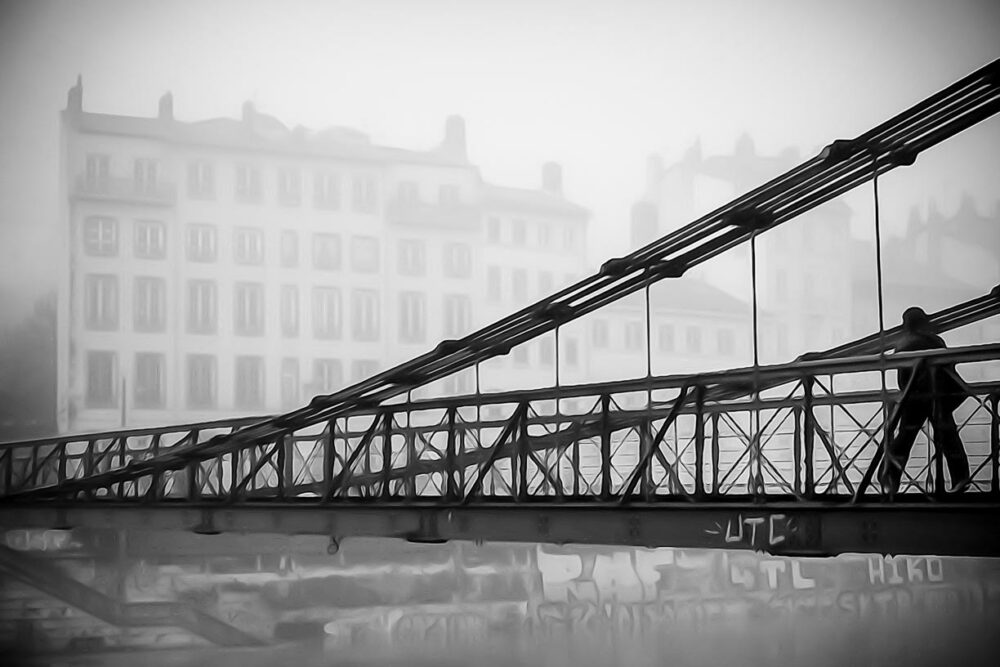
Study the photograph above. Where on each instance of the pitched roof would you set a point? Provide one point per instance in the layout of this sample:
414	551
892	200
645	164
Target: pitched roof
264	133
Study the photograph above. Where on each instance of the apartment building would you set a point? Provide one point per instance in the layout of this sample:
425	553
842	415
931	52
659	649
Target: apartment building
237	266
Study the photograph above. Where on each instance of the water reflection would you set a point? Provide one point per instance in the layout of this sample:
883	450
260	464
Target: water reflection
387	602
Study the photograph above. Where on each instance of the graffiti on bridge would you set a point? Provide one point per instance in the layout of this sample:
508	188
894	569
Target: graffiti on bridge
767	532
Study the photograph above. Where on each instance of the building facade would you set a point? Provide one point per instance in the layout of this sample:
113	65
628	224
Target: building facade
236	266
804	283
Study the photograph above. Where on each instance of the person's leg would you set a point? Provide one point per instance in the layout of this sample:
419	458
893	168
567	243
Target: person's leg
949	443
913	414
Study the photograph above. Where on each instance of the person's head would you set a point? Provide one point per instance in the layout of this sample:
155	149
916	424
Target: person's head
915	319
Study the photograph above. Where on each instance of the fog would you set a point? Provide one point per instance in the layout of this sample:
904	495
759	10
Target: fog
219	210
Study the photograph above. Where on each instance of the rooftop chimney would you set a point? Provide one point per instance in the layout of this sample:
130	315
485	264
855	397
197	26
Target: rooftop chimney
454	137
74	100
552	178
645	223
166	111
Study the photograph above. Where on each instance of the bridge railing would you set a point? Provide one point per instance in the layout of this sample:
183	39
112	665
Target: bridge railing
811	430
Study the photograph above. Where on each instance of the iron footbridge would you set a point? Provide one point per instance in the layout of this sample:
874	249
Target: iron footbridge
782	458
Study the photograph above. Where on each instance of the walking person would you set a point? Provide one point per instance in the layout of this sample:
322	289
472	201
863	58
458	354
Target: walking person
934	395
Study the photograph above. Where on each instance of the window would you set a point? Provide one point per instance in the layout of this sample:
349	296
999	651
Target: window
364	314
150	304
248	308
149	380
457	260
570	238
97	174
666	332
362	369
493	229
201	182
547	352
693	338
326	313
289	383
520	355
365	254
248	245
519	232
144	175
327	190
364	194
408	191
572	352
247	183
458	383
328	375
289	249
289	311
726	340
449	195
289	187
201	369
326	252
599	333
519	284
412	257
100	236
809	286
202	309
150	239
782	339
634	335
546	283
249	382
101	302
412	317
780	285
201	246
494	283
457	315
544	236
102	373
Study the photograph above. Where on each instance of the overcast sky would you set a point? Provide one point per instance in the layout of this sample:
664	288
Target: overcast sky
596	86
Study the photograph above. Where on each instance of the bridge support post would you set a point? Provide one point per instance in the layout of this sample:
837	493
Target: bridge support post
994	403
605	447
451	457
699	442
808	435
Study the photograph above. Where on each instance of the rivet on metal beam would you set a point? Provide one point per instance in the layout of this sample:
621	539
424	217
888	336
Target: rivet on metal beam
668	269
752	219
558	312
615	267
449	346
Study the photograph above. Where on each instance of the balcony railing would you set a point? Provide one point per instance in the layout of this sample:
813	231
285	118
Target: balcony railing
126	190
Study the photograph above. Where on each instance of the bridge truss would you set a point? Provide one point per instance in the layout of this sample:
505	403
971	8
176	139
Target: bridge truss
781	458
